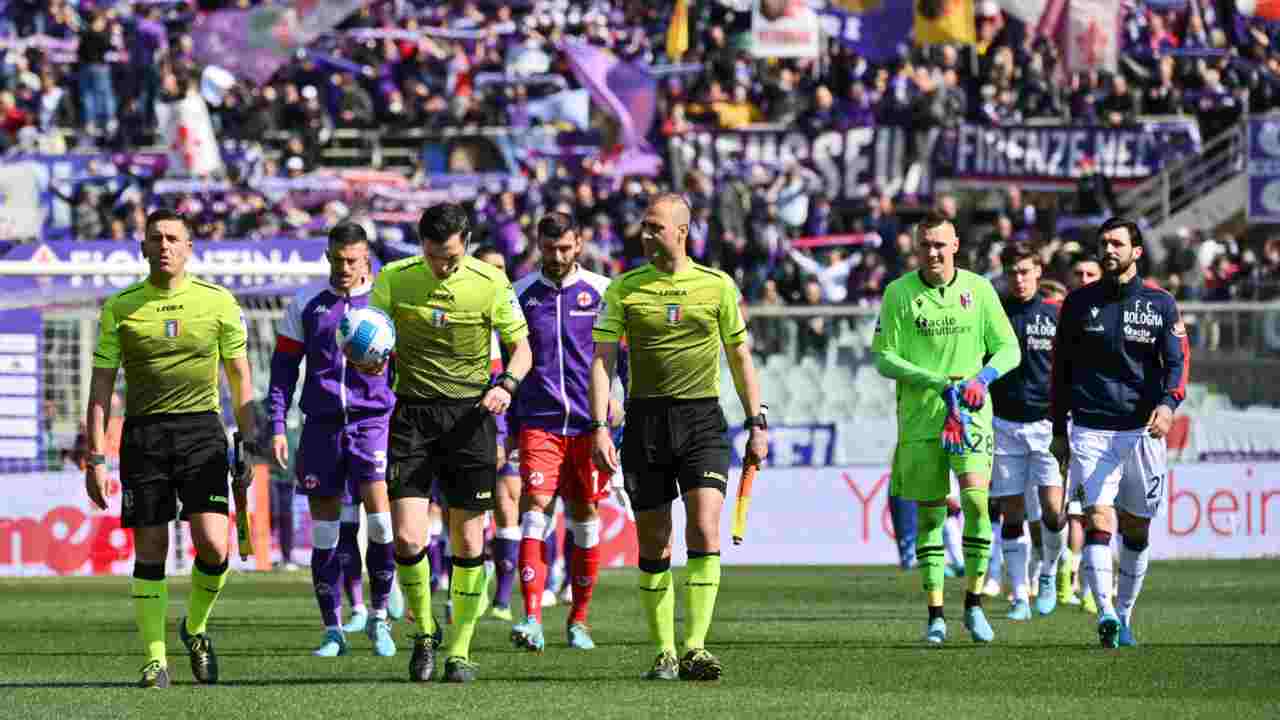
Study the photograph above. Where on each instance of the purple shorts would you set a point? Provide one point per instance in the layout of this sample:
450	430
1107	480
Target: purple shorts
334	460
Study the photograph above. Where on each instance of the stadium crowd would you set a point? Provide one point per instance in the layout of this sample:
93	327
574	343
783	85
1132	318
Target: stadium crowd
100	70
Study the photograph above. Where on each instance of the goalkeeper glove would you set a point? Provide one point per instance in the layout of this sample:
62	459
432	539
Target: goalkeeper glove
973	392
955	437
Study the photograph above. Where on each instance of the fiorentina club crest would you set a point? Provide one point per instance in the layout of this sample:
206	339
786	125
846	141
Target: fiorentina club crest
439	318
966	299
584	299
675	314
172	328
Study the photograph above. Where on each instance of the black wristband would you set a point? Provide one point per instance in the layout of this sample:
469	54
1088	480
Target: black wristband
598	424
501	381
759	421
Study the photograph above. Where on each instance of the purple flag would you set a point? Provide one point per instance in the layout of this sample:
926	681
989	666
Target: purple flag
629	91
253	44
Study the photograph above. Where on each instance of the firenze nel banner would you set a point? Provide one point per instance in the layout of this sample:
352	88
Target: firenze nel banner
1063	153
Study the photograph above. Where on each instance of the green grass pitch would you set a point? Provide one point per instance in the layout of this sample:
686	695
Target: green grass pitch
796	642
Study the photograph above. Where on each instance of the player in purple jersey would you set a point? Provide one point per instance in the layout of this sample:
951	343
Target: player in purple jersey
342	453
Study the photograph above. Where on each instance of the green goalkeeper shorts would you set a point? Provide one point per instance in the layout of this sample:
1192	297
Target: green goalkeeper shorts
922	469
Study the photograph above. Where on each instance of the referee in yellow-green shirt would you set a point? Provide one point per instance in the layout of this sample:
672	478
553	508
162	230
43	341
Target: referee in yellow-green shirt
446	306
675	315
170	333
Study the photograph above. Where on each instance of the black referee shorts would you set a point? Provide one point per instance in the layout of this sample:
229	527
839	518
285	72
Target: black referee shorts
671	447
451	445
165	458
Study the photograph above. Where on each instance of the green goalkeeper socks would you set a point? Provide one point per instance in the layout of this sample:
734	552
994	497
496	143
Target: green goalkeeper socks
467	592
702	583
150	608
977	536
930	552
659	603
206	585
415	581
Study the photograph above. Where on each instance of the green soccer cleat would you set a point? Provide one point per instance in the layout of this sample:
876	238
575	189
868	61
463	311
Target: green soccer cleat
204	661
528	635
379	632
459	670
1021	610
500	612
665	667
936	634
358	623
975	621
1047	598
698	664
1109	631
422	665
154	675
1126	638
334	644
580	637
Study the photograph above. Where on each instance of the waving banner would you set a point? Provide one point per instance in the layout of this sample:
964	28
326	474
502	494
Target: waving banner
252	44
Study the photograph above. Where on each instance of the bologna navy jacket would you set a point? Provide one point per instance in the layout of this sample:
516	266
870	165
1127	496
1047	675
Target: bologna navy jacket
1022	395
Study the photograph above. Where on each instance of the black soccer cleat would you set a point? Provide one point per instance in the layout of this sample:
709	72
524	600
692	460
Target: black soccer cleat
665	667
699	664
459	670
422	665
204	661
154	675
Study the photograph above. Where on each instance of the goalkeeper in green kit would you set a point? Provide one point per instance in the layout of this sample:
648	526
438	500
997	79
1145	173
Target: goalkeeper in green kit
936	327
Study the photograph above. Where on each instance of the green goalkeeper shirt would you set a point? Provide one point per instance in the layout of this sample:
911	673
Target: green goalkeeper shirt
926	336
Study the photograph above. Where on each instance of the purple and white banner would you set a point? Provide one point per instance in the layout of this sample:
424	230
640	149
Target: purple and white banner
21	439
879	32
253	44
108	253
630	93
1264	169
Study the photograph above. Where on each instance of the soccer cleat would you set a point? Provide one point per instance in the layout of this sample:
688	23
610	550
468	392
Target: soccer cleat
1021	610
379	632
395	603
459	670
580	637
1109	631
528	635
665	667
1047	598
154	675
1126	638
936	634
358	623
698	664
422	665
333	645
1088	604
975	621
204	661
499	612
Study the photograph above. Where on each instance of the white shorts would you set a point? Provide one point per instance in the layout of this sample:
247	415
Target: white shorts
1123	468
1023	463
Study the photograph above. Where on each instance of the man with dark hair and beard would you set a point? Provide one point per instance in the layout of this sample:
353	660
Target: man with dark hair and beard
1120	371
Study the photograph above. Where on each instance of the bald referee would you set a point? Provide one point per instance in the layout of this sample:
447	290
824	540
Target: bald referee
675	314
170	332
446	306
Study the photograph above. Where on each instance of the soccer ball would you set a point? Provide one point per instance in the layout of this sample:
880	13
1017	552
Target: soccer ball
367	336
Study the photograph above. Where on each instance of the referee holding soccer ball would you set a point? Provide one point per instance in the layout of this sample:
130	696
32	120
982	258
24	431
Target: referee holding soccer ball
446	305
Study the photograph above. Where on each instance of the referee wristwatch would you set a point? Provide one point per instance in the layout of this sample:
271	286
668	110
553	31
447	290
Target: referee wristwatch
760	421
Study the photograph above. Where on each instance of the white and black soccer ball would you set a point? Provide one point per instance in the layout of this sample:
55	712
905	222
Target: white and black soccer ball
367	336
